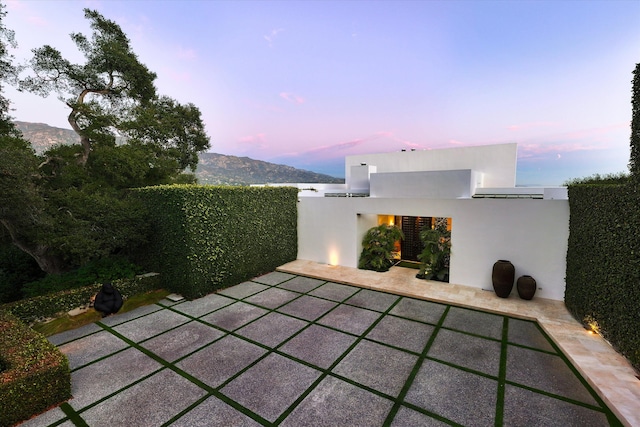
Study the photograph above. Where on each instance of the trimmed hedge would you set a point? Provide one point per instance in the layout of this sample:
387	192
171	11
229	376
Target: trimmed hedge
209	237
36	374
603	263
38	308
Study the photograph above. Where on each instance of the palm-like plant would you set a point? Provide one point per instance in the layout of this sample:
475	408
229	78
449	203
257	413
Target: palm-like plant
377	247
436	253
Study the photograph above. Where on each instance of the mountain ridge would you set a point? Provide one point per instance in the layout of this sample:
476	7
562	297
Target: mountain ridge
213	168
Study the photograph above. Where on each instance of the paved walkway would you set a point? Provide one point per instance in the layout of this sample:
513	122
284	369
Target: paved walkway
289	350
610	374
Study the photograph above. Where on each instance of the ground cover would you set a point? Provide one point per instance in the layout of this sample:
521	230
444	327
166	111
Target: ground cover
67	322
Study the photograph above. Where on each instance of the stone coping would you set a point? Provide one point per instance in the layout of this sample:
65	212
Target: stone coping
606	371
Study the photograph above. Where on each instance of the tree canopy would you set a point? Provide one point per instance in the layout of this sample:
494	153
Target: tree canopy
71	205
112	94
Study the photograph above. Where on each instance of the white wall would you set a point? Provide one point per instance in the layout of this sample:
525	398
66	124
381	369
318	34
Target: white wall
453	184
359	180
532	234
496	163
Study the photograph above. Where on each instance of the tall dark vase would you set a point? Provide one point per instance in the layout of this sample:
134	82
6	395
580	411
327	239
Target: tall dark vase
526	286
502	277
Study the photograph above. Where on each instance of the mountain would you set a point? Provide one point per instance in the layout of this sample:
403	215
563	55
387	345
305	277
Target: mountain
231	170
43	136
213	169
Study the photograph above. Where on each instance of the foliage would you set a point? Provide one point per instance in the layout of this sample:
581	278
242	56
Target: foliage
113	94
16	269
436	253
59	213
208	238
597	179
99	92
603	263
377	247
36	376
634	162
51	305
71	205
8	73
67	322
99	271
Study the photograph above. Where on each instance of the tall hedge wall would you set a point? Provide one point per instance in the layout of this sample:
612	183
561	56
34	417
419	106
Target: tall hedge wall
210	237
603	263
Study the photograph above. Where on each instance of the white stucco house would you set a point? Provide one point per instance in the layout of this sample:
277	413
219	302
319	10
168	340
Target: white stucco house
473	187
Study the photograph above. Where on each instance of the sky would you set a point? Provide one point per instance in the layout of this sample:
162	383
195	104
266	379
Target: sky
306	83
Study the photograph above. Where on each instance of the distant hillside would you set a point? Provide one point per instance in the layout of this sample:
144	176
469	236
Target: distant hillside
213	169
220	169
43	136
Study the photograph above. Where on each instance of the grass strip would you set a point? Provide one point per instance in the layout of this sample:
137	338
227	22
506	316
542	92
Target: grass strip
502	373
73	415
414	372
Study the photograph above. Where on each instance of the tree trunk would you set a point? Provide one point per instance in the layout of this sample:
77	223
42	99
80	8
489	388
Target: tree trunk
84	140
48	263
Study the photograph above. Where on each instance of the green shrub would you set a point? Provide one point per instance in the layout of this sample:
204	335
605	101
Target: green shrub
436	255
377	247
597	179
30	310
209	237
102	270
603	263
36	374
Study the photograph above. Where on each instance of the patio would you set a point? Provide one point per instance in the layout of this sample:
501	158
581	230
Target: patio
316	347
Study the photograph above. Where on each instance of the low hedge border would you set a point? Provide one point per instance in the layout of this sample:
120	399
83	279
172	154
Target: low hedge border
35	373
36	309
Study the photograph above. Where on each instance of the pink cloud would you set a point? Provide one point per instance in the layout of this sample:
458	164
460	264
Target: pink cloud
272	36
292	97
596	132
341	149
574	141
258	140
456	143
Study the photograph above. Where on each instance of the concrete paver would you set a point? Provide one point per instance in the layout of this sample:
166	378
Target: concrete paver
327	354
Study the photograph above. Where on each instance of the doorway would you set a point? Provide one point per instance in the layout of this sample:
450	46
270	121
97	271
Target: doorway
412	246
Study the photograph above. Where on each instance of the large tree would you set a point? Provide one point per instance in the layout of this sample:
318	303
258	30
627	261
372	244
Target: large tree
21	205
72	205
111	92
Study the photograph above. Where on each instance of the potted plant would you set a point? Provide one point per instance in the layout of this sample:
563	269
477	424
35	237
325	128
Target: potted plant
377	247
435	257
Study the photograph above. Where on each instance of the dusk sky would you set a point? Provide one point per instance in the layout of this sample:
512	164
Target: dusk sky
307	83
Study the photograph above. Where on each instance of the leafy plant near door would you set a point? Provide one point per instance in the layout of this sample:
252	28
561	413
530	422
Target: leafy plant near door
434	259
377	247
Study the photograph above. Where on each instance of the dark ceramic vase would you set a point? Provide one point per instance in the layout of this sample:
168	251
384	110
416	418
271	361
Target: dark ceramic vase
526	286
502	277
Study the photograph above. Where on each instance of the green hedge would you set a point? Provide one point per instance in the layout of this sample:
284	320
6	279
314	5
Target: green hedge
210	237
603	263
36	374
38	308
